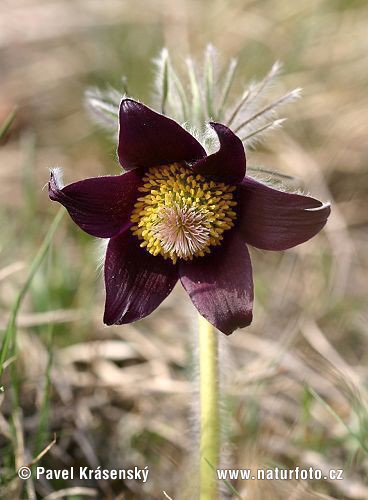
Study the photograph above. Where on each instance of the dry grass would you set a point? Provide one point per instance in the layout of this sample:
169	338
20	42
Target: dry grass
296	380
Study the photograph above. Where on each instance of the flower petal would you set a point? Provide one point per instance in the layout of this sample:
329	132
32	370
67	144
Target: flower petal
101	206
136	282
220	285
275	220
228	164
148	139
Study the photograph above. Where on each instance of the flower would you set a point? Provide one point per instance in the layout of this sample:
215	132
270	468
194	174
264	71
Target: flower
180	214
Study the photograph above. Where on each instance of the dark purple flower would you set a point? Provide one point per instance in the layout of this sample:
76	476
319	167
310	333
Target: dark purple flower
178	213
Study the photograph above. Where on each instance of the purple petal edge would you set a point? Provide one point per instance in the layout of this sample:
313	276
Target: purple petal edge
136	282
220	285
101	206
275	220
148	139
228	164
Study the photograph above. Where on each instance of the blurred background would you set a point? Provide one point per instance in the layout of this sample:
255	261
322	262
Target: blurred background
295	381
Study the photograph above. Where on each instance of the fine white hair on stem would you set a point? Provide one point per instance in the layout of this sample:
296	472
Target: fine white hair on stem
104	106
169	94
57	172
268	111
210	80
162	80
254	92
262	171
211	140
101	247
253	128
195	93
265	85
252	116
225	364
228	80
196	133
206	136
258	134
201	96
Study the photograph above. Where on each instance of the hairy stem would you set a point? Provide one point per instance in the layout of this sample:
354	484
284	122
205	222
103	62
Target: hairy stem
209	410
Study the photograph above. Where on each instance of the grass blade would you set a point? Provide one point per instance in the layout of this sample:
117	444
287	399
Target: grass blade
332	412
8	341
228	485
7	123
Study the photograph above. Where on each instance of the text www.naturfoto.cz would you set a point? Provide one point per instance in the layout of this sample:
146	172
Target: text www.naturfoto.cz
279	474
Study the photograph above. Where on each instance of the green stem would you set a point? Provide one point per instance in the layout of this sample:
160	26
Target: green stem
209	410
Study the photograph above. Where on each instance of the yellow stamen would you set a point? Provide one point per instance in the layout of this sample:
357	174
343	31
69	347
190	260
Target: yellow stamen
181	215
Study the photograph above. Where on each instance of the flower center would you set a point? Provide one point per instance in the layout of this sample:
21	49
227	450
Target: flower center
181	215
